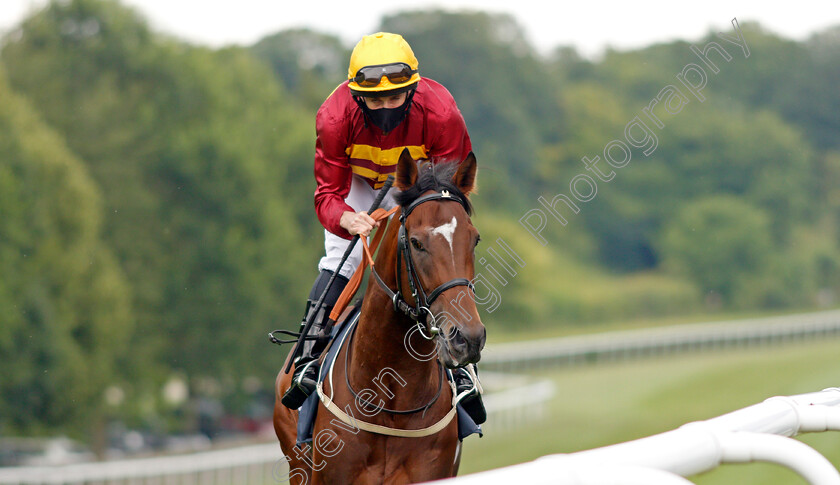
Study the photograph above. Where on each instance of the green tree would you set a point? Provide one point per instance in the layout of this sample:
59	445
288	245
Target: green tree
721	243
309	64
504	91
199	154
66	308
703	151
810	99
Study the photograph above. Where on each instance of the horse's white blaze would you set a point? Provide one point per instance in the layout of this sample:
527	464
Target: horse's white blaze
447	231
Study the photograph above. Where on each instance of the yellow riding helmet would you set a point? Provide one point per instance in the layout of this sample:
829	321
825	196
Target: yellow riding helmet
380	55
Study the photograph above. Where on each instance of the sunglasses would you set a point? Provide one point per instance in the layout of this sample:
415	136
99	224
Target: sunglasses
370	76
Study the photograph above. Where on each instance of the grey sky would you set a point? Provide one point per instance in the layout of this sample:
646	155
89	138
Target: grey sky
590	25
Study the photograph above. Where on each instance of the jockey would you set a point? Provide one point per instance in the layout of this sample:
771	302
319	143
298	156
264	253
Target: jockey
362	127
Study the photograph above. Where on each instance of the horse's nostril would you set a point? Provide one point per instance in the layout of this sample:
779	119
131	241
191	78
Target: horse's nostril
457	340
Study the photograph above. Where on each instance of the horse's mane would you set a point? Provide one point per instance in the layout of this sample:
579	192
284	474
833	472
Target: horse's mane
433	176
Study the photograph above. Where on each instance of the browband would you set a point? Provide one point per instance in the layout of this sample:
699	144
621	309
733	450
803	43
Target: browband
443	194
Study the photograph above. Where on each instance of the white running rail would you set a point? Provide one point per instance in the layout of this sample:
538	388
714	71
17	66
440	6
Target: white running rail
508	407
650	342
756	433
255	464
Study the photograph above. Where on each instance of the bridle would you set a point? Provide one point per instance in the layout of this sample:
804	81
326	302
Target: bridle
420	312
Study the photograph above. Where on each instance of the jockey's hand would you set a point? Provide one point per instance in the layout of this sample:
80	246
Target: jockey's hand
358	223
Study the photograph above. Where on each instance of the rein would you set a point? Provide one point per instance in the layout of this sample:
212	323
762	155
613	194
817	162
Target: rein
335	409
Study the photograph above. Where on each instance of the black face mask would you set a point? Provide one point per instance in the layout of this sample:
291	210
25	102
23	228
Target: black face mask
387	118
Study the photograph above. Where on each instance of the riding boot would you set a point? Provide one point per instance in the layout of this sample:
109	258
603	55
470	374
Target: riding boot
305	376
472	402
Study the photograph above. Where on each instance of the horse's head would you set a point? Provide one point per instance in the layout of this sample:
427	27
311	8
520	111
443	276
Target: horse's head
437	245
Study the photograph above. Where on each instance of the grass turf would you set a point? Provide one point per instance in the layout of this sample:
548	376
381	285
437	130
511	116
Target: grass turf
611	403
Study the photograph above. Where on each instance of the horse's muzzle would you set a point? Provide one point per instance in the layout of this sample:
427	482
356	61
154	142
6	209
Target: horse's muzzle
463	344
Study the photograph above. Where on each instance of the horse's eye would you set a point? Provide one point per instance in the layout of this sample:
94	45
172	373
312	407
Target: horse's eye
416	244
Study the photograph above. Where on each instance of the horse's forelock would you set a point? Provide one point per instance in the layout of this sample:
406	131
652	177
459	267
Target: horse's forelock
433	176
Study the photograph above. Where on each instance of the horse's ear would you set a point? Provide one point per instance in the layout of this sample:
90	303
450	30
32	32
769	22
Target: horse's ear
406	171
464	177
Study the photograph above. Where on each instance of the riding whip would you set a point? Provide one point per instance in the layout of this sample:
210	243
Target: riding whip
311	318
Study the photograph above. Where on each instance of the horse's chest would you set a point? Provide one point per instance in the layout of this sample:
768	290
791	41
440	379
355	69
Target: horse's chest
368	459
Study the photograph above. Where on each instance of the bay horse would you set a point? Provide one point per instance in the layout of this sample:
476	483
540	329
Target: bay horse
400	427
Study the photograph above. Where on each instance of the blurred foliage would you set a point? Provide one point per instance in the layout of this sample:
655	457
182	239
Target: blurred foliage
308	63
159	194
500	85
200	158
66	303
722	242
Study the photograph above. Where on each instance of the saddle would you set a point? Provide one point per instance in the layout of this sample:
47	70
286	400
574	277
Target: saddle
309	409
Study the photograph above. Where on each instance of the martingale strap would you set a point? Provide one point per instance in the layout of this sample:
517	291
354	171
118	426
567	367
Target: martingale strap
335	409
376	408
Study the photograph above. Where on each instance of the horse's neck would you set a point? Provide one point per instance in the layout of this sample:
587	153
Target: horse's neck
380	342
